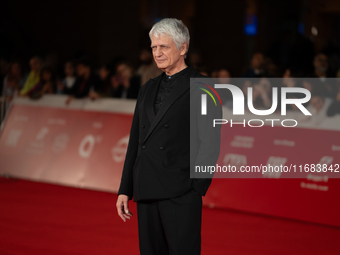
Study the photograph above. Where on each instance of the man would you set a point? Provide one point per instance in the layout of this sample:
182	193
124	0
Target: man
124	83
33	77
85	85
320	64
256	69
329	87
156	171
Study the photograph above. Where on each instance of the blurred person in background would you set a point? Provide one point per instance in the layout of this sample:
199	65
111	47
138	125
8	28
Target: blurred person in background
14	80
318	106
271	68
223	77
125	84
148	68
317	86
288	80
257	67
46	85
261	92
33	77
334	108
52	60
203	71
317	89
214	74
320	64
321	70
292	72
87	83
70	79
4	69
264	89
291	80
105	74
195	59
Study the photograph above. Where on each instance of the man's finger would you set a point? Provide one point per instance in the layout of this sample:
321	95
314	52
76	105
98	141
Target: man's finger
121	215
126	209
120	211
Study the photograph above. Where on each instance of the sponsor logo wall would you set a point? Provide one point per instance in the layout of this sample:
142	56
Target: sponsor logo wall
84	145
74	145
311	198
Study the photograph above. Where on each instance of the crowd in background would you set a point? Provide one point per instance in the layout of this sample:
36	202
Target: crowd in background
80	78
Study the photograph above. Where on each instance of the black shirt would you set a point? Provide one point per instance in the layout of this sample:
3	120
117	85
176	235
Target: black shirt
166	84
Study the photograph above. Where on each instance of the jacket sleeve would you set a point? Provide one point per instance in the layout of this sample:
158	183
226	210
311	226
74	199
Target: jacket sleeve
126	184
207	142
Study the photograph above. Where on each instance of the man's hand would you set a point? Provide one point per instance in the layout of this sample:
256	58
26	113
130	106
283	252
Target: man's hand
123	208
68	100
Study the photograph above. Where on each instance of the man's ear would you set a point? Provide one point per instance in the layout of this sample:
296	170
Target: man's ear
183	49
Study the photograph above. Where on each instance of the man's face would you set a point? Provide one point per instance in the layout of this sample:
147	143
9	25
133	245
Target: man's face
46	75
69	69
321	63
35	64
165	52
16	70
80	69
124	71
257	61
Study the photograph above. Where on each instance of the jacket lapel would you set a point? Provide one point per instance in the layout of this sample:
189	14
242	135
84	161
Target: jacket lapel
182	85
150	112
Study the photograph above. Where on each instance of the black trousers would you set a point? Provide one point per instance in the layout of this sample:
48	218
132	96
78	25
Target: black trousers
170	226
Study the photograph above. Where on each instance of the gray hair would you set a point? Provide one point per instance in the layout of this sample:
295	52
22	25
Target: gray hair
175	29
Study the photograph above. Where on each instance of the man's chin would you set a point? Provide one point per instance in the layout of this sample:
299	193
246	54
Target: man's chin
162	66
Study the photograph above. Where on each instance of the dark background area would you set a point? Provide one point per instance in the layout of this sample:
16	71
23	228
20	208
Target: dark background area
105	30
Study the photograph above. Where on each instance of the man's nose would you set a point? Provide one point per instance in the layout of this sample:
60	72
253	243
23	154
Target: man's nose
158	52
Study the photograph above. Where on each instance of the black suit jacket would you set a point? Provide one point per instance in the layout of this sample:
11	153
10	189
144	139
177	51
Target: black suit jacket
157	163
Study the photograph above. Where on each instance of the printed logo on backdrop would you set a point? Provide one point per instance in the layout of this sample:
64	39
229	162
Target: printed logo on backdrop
87	145
241	141
237	160
37	146
326	160
119	150
13	137
60	143
272	163
284	143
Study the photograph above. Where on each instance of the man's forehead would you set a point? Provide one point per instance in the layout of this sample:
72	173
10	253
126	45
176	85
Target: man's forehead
161	39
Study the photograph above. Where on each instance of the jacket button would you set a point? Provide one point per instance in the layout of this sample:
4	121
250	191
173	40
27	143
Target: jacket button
143	126
161	148
143	147
166	126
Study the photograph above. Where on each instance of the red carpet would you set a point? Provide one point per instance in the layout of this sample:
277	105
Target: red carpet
39	218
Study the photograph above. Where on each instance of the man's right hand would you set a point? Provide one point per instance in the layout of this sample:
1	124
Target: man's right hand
123	208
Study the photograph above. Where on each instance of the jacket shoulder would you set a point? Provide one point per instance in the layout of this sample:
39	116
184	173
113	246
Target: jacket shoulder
151	81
